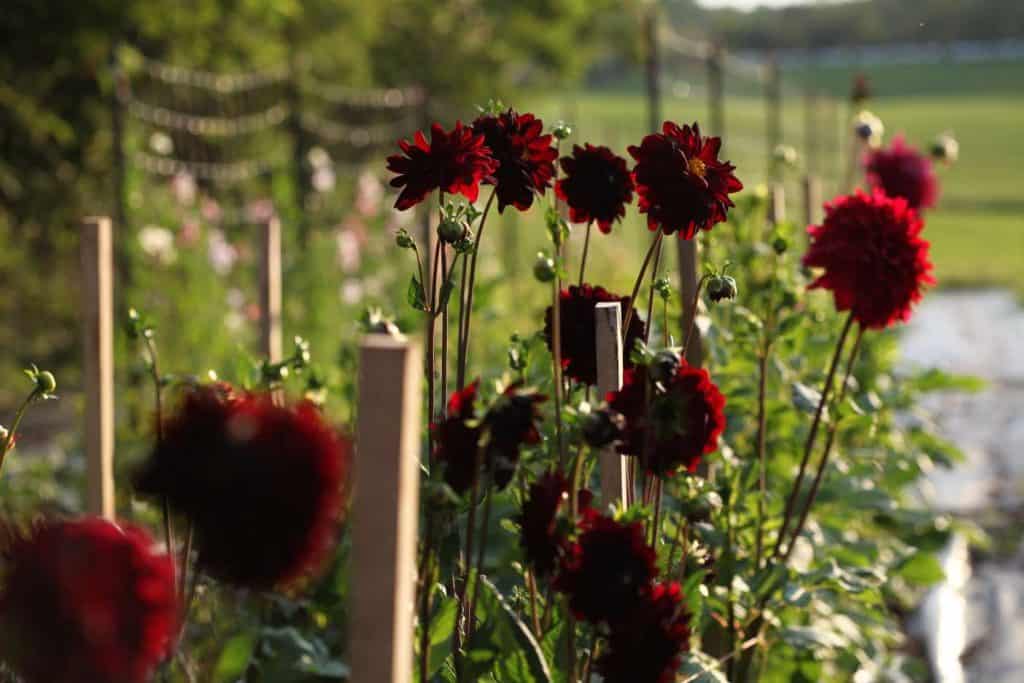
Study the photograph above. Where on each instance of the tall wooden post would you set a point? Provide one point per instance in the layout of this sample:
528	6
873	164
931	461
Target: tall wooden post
270	290
777	203
385	511
812	199
608	339
716	91
119	94
773	114
97	284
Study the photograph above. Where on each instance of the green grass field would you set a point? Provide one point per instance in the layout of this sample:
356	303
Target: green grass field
977	229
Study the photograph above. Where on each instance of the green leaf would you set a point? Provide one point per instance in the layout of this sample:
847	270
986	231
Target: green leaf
442	625
805	398
234	658
937	380
701	668
921	568
502	644
415	295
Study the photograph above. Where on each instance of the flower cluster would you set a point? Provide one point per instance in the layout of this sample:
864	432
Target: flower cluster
902	171
578	323
673	413
87	600
874	260
262	484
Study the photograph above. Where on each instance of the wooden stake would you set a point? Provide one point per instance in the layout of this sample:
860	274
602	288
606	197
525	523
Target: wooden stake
96	246
812	199
270	290
608	337
777	205
385	511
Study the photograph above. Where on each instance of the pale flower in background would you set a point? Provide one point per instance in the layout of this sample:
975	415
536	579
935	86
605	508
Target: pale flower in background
318	157
210	210
259	211
183	185
161	143
234	321
348	250
369	194
351	292
188	234
235	298
324	179
158	244
221	253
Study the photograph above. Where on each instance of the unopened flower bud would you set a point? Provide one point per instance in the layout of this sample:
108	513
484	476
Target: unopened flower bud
869	128
722	287
664	366
946	148
603	427
450	231
404	240
784	155
544	267
780	244
562	130
663	286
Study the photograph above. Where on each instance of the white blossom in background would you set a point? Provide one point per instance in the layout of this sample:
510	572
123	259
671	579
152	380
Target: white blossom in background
221	253
161	144
189	233
259	211
349	249
318	157
210	210
369	194
324	179
158	243
352	292
183	186
234	321
235	299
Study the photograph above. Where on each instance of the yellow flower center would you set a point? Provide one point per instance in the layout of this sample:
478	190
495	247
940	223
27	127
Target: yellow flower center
697	167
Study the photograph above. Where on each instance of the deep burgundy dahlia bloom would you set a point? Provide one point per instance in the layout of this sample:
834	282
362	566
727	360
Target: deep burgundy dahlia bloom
902	171
673	425
607	569
510	424
541	537
682	185
596	187
263	484
454	162
525	156
647	645
87	600
874	260
457	438
578	319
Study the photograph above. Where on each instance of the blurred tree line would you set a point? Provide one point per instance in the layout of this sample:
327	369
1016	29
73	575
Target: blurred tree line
56	97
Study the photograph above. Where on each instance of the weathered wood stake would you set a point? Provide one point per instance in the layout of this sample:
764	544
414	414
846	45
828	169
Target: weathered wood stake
270	290
777	203
608	337
812	199
97	252
385	511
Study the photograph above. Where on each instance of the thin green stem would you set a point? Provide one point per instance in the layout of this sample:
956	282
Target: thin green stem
628	315
586	248
812	435
484	522
762	372
9	441
556	361
650	300
468	314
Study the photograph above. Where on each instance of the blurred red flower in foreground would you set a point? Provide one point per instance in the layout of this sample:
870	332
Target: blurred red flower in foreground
511	423
263	484
902	171
875	262
683	186
454	162
87	600
597	186
579	347
541	537
525	156
670	424
457	439
646	646
607	568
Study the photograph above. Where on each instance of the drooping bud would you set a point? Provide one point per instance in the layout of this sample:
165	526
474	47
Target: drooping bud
869	128
784	155
562	130
946	148
451	230
664	366
404	240
780	244
544	268
603	427
722	287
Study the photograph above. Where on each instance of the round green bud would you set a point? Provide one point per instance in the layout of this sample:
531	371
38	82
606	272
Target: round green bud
562	130
544	267
780	244
46	383
722	287
404	240
450	231
664	366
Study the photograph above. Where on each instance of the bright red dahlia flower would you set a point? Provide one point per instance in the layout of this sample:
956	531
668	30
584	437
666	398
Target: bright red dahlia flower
511	423
875	262
454	162
647	645
541	537
87	600
526	158
607	569
457	438
671	424
902	171
579	351
683	186
597	186
263	485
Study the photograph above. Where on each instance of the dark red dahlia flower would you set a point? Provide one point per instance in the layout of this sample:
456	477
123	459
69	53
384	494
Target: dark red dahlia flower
579	351
263	484
902	171
87	600
454	162
457	439
607	569
670	424
683	186
510	424
525	156
647	645
875	262
541	537
597	186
